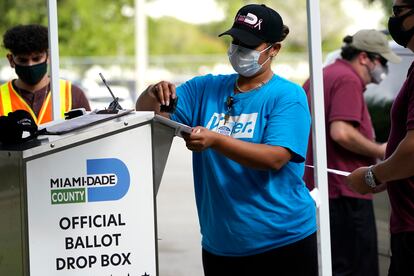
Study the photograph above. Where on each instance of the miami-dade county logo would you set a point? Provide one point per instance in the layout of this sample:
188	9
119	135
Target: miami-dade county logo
106	179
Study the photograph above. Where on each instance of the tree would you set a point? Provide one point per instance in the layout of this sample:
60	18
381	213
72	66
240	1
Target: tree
22	12
386	3
293	13
102	27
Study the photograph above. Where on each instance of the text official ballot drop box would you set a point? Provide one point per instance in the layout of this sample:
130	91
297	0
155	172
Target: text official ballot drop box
83	203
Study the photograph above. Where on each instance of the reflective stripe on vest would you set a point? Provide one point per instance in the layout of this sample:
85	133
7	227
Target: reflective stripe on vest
5	100
10	101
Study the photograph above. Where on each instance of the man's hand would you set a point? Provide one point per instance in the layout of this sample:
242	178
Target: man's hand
356	180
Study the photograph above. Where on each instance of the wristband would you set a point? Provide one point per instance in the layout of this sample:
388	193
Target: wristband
370	179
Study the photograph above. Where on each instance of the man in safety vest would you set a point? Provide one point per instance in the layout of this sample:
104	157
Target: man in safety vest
28	55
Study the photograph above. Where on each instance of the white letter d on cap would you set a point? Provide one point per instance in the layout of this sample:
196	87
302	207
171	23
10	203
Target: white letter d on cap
250	19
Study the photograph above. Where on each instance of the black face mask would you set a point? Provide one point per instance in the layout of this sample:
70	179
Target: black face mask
31	74
396	29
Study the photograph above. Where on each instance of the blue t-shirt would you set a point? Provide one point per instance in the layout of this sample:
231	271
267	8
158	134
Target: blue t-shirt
244	211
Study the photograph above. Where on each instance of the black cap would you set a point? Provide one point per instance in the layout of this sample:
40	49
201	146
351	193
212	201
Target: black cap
13	126
255	24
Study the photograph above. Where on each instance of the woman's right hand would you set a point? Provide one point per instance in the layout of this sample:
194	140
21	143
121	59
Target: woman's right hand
156	95
162	91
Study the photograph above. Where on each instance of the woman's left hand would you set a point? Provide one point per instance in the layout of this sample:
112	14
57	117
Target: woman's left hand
200	139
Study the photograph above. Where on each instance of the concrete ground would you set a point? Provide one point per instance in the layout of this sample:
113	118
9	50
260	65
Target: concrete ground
179	249
179	240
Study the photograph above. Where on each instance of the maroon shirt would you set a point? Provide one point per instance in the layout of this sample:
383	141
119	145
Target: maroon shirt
35	99
344	101
401	192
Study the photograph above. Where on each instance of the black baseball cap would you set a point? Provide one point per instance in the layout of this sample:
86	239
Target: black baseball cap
255	24
13	126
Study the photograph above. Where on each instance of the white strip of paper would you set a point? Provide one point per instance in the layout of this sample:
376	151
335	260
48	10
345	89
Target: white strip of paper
338	172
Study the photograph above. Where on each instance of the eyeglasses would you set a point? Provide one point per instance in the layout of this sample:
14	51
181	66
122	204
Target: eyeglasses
397	10
373	57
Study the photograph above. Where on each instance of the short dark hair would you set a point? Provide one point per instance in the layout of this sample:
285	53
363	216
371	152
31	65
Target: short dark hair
349	52
26	39
285	32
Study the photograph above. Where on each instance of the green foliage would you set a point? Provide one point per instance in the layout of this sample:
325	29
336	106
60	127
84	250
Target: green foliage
95	28
380	116
101	28
293	12
92	27
387	4
98	28
170	36
21	12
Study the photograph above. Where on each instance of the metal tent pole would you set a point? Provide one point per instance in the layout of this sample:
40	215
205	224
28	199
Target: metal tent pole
54	57
318	135
141	46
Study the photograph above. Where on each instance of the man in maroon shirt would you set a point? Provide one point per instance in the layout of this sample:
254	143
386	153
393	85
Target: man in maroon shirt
350	144
396	172
28	55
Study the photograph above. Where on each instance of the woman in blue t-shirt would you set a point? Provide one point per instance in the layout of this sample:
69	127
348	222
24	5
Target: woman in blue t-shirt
249	138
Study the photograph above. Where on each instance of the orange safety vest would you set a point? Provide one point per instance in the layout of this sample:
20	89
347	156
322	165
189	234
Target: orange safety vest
10	101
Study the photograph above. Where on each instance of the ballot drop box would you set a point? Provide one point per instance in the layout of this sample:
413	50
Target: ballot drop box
82	201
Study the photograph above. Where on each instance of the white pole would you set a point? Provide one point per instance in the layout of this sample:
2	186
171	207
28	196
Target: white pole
54	58
318	136
141	46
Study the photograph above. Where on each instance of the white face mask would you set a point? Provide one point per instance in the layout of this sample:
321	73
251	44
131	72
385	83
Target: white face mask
379	73
245	61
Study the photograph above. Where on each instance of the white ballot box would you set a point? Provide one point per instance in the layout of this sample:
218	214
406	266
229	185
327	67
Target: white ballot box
83	202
